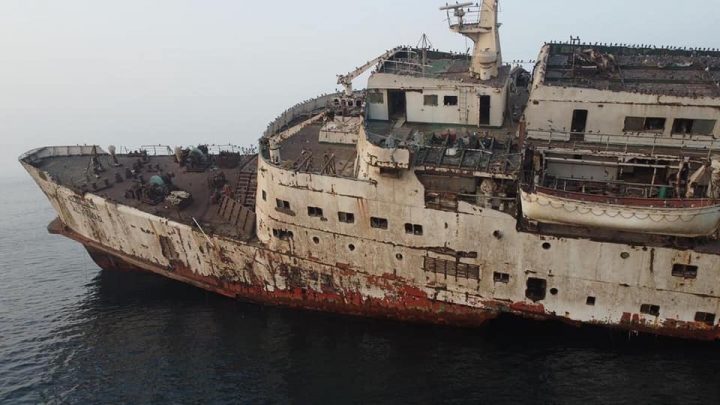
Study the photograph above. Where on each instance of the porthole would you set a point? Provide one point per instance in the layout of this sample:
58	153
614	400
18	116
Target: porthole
316	240
497	234
399	256
546	246
624	255
351	247
553	291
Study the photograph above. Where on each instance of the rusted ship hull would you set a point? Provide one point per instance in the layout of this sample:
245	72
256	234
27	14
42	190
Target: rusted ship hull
402	302
409	305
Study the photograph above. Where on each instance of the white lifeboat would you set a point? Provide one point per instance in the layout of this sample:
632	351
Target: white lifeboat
675	217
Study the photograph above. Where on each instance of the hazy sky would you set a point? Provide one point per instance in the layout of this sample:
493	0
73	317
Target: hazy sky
133	72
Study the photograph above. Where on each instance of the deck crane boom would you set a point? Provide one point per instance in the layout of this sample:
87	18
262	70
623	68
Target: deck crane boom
346	80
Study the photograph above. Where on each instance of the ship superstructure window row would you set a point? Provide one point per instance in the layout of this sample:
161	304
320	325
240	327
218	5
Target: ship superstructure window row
680	126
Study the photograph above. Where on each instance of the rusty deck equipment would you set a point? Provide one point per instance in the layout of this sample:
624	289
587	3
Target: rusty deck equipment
452	189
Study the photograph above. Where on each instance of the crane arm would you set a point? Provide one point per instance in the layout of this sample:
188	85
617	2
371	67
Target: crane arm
346	80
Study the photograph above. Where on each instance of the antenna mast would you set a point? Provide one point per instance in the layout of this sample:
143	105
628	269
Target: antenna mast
482	27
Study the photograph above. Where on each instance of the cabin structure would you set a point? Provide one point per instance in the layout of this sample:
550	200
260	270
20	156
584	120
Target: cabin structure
625	95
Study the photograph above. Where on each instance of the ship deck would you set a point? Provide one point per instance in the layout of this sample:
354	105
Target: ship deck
304	152
113	183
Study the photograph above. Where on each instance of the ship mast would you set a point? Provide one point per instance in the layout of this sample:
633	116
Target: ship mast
482	27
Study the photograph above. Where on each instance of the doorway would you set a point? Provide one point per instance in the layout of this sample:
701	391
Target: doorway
484	110
579	121
396	104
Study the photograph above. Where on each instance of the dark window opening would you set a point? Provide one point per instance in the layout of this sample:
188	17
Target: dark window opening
501	277
682	126
351	247
553	291
264	195
536	288
282	204
705	317
316	240
430	99
413	229
634	124
315	212
579	121
380	223
650	309
282	234
450	100
484	110
590	301
546	246
654	124
689	126
346	217
684	270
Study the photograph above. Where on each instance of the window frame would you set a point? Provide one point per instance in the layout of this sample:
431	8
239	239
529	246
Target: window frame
431	97
379	223
450	101
315	212
346	217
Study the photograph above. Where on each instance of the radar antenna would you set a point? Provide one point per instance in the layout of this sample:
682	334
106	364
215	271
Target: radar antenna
478	21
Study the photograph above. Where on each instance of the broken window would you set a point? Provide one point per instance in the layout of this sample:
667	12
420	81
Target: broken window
282	234
430	99
650	309
536	289
698	127
376	98
347	217
282	204
634	124
684	270
654	124
640	124
413	229
380	223
705	317
501	277
590	301
315	212
450	100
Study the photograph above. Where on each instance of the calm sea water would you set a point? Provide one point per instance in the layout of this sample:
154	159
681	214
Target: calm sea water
71	333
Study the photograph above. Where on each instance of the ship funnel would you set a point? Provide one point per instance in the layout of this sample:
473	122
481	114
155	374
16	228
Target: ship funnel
479	23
